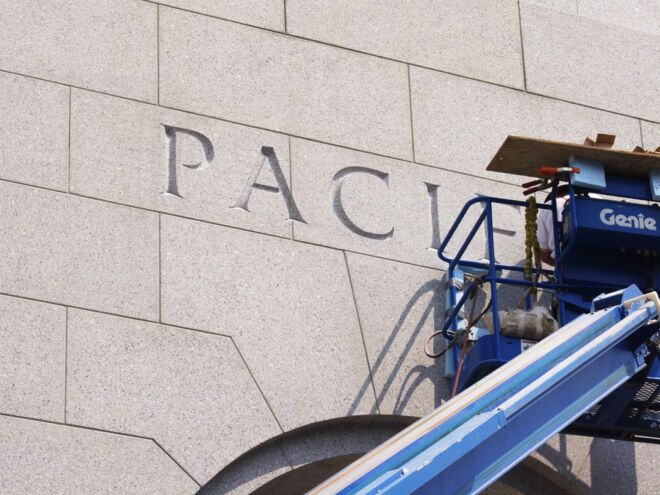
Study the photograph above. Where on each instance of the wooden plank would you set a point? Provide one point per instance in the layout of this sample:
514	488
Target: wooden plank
524	156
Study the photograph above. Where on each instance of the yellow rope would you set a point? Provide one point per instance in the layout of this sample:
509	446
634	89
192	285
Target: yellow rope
532	248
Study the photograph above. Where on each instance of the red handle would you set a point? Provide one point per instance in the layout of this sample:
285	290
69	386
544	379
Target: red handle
548	171
552	171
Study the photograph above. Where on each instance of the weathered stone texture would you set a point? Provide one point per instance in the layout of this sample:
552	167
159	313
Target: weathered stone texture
599	465
388	208
476	38
247	75
566	454
190	391
191	318
651	135
32	358
640	15
460	124
38	457
105	45
566	6
33	131
121	151
288	307
616	466
78	252
264	13
589	62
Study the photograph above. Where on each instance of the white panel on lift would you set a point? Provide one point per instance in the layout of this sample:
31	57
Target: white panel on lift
654	182
592	173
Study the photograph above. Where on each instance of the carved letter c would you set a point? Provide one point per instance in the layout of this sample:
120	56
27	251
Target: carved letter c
339	207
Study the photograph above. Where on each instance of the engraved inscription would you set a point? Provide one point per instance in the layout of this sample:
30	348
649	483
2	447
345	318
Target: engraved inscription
192	150
171	133
339	207
269	154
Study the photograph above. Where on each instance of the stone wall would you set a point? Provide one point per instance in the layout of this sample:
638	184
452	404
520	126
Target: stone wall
219	219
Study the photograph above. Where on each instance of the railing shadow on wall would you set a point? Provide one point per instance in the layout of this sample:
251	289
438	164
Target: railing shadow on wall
432	372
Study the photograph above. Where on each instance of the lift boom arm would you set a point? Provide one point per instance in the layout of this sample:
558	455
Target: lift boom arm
470	441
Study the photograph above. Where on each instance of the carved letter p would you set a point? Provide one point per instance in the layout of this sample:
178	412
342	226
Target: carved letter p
171	132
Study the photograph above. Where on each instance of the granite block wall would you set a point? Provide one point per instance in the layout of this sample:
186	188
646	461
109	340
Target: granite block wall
219	222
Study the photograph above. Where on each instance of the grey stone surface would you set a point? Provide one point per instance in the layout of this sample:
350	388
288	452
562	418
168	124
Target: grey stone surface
568	455
400	306
287	305
190	391
566	6
598	465
640	15
476	38
589	62
460	124
620	467
120	151
33	131
396	202
651	135
32	358
303	326
106	45
78	252
263	13
38	457
247	75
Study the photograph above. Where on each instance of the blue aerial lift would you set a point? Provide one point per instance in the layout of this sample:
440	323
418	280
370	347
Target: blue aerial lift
598	375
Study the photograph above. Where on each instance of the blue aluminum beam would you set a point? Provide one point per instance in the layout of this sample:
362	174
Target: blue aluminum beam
470	441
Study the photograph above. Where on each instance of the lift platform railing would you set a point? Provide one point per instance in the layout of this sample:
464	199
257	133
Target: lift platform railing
492	268
476	437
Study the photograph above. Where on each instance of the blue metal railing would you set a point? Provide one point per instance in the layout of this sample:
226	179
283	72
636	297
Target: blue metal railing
492	267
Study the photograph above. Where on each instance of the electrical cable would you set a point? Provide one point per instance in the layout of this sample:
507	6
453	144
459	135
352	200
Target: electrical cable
467	334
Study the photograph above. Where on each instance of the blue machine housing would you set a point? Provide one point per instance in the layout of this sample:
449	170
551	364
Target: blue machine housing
607	243
608	224
604	244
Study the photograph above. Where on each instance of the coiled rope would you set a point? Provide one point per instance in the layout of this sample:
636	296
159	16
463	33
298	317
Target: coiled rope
532	248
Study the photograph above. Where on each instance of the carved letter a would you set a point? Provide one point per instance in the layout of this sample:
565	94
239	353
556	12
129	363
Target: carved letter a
269	153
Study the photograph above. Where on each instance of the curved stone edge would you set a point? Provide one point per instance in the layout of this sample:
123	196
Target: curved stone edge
296	461
302	446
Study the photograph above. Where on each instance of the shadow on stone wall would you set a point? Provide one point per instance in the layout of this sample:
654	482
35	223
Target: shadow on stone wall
508	296
418	373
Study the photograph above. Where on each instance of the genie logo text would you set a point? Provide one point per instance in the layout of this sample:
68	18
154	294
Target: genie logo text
639	221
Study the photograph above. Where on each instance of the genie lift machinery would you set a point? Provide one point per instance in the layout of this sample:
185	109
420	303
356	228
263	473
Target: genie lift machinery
522	375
